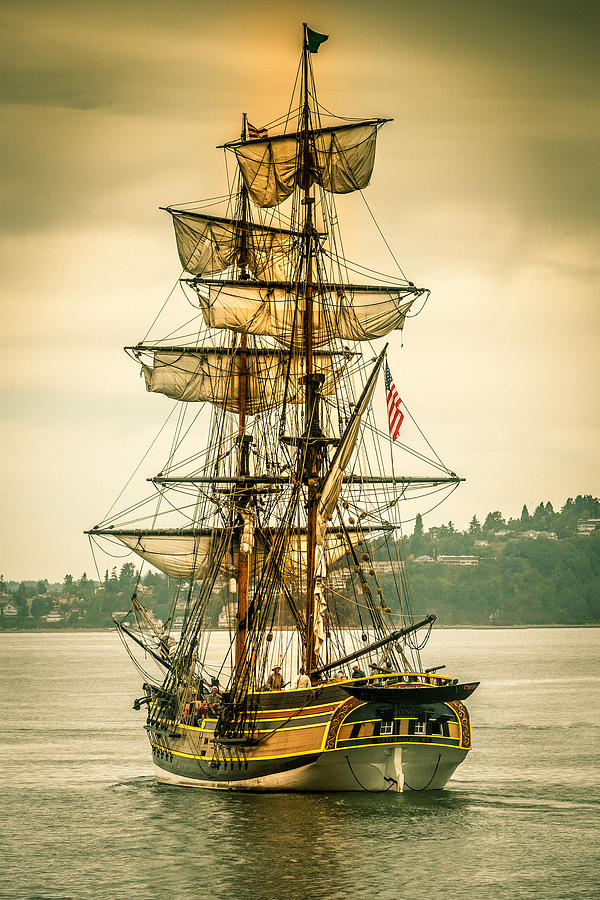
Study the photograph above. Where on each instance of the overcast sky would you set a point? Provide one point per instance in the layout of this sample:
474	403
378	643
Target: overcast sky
486	186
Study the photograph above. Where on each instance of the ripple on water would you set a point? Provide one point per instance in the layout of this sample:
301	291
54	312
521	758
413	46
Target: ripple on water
83	816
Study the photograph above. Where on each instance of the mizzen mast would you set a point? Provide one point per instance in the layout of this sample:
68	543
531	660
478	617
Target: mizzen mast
244	441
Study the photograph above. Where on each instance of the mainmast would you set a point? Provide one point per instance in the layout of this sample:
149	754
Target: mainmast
312	448
308	202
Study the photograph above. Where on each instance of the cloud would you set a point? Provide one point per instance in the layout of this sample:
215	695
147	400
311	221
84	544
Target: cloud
486	186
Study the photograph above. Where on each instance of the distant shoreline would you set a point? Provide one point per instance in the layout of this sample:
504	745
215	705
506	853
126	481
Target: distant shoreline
109	630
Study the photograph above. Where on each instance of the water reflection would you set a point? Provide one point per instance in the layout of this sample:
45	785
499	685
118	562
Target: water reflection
84	818
292	845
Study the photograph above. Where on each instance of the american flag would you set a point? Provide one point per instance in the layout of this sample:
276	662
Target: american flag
395	414
256	134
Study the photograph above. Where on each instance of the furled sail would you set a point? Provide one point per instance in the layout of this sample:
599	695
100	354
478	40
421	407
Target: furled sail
330	493
208	245
341	161
176	553
188	553
320	602
332	485
295	558
347	312
215	375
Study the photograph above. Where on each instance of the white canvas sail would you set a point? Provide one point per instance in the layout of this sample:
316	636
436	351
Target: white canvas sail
341	161
350	314
178	555
332	485
208	245
187	555
216	377
295	558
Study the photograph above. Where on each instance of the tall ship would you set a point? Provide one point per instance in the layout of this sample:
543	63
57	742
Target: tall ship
277	512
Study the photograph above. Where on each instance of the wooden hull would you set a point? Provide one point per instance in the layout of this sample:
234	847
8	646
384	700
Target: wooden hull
321	740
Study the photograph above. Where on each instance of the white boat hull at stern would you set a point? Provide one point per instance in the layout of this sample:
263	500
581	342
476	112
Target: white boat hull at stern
377	770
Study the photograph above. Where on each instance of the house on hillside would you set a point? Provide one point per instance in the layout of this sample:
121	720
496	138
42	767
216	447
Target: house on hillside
464	560
534	535
9	610
587	526
54	616
382	567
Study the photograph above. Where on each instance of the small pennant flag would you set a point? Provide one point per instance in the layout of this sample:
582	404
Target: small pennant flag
256	134
314	39
395	414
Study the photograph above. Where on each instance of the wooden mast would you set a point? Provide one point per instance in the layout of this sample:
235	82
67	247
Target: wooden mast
244	445
312	380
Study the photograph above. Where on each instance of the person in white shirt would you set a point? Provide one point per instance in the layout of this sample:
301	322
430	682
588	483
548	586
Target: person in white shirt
302	681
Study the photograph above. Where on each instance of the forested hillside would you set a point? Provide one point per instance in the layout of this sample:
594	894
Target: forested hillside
540	569
528	582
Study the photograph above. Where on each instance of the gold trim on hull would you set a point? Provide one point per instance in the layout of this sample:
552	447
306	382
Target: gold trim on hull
295	756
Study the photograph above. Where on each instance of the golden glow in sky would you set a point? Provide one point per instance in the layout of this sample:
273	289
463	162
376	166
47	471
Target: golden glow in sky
485	185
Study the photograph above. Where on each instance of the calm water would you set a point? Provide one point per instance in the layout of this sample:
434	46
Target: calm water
82	816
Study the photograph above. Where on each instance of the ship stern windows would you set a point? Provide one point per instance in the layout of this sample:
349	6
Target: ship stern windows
386	725
418	727
440	726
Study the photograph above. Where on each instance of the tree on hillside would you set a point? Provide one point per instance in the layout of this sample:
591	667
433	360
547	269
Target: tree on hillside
493	520
86	588
539	515
111	585
525	517
127	576
416	541
475	526
23	592
40	606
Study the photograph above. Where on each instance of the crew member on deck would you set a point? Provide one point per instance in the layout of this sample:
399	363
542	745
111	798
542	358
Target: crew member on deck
357	673
214	701
275	680
302	681
195	711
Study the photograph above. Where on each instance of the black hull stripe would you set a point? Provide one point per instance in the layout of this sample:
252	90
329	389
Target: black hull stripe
435	740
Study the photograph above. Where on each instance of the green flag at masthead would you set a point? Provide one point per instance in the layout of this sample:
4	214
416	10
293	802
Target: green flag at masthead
314	39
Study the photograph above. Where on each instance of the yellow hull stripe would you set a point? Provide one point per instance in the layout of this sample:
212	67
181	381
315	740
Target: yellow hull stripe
310	752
